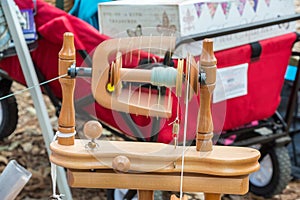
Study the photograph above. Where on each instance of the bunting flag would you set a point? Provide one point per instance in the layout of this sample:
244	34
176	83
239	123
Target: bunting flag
198	7
226	8
268	2
241	6
212	8
253	4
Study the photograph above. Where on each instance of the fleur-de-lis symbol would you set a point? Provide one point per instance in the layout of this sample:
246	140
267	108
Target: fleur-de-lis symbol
188	19
165	28
136	32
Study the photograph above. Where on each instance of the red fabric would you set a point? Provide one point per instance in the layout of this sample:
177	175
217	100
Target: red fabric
51	24
265	77
265	80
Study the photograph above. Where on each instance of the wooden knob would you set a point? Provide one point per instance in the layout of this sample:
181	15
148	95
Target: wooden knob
92	129
207	56
121	163
67	51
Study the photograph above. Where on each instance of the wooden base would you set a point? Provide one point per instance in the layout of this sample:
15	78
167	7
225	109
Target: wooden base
157	157
158	181
156	166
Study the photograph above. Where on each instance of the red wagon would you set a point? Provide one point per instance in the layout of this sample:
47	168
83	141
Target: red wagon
246	117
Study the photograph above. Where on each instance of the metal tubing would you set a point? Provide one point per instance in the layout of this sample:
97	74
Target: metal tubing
237	29
263	139
292	99
31	80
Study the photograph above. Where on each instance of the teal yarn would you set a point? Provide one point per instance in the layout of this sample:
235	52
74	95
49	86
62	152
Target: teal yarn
164	76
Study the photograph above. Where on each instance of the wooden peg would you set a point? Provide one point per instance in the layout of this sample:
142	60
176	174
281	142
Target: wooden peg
205	124
66	121
121	164
179	77
212	196
193	76
145	194
117	69
173	197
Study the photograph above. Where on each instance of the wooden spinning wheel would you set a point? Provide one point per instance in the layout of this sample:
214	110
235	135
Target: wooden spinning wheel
144	166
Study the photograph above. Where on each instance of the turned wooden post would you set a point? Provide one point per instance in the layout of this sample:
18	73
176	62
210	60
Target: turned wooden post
66	121
211	196
145	194
205	124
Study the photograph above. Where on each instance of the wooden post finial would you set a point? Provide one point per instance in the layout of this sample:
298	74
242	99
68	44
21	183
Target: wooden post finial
66	121
208	57
208	63
67	51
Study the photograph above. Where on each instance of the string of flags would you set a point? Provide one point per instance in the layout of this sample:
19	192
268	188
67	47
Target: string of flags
240	4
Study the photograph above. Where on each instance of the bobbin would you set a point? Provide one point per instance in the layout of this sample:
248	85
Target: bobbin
159	76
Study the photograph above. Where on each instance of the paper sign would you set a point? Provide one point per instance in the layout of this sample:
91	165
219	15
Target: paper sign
231	82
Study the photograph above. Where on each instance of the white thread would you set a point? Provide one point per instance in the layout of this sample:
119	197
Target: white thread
185	129
64	135
54	167
149	95
169	100
53	177
139	53
130	49
160	45
149	49
38	85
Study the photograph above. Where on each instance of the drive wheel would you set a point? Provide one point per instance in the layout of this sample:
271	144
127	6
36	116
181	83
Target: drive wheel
8	115
274	173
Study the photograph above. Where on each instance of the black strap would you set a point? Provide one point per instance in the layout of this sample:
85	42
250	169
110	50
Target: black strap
255	51
130	194
60	4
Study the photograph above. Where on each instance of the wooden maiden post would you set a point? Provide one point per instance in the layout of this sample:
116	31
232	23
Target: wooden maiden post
208	63
66	121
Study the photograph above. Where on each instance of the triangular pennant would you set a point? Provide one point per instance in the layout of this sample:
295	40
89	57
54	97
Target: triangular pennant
226	7
253	4
198	7
212	8
268	2
241	6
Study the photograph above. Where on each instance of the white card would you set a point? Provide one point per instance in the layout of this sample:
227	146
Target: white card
231	82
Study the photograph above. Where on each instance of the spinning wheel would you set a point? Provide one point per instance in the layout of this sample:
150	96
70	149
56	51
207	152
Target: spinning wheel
144	166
